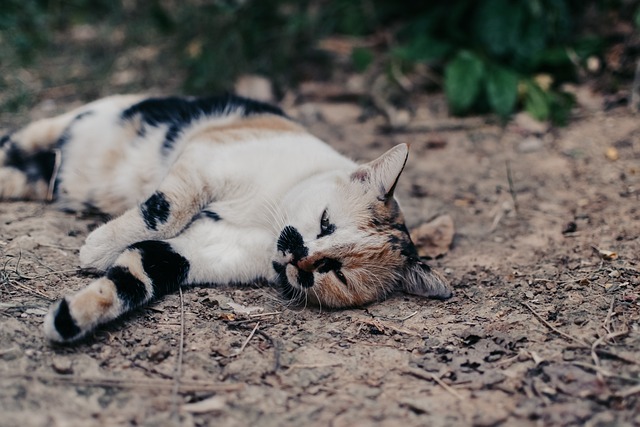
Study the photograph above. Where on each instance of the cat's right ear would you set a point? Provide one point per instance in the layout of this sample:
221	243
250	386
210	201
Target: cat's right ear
420	279
382	173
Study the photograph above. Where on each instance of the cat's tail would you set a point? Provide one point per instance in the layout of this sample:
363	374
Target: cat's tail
145	271
30	157
29	160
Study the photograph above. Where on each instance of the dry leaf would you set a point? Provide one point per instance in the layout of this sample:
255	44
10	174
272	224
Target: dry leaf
243	309
228	316
212	404
605	255
433	239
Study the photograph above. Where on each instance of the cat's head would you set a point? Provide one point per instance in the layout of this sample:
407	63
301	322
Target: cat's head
347	244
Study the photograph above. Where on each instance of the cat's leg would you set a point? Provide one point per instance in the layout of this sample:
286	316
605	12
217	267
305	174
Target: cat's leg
183	193
145	271
208	252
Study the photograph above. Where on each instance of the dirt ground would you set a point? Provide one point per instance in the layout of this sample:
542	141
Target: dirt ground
544	327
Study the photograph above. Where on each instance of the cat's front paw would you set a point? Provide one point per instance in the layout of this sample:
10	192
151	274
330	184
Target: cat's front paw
99	250
59	325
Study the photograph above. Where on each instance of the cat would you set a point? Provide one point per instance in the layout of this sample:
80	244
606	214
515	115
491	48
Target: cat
219	190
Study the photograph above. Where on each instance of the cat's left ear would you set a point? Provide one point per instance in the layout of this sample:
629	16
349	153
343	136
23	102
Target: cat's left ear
420	279
382	173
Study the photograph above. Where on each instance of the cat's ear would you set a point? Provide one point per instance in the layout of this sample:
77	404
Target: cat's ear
382	173
420	279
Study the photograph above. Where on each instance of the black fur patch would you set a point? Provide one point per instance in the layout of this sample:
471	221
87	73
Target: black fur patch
176	112
404	245
291	241
326	265
285	288
64	323
305	278
166	268
211	215
38	166
131	290
4	140
155	210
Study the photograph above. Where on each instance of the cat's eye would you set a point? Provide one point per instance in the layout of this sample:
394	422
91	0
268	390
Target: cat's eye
340	276
326	227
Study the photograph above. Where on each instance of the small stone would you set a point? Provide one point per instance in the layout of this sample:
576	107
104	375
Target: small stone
570	227
255	87
530	144
612	154
159	352
527	123
62	365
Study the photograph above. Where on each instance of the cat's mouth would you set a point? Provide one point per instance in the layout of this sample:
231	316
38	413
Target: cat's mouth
291	276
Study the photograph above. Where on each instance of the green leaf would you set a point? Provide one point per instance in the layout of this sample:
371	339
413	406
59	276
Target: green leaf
423	49
502	90
536	102
463	78
498	25
361	58
561	105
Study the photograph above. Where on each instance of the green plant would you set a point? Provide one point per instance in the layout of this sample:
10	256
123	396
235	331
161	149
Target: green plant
493	50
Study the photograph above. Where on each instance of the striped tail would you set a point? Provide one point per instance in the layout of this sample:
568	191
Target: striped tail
143	272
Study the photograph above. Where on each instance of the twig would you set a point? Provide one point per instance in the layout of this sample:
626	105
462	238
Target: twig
554	329
273	313
400	319
628	392
151	370
310	366
381	326
244	344
33	292
450	125
605	372
634	102
596	343
276	344
512	190
607	320
178	369
142	383
429	376
8	350
65	248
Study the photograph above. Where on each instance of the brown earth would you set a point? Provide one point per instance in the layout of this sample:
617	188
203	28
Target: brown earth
544	328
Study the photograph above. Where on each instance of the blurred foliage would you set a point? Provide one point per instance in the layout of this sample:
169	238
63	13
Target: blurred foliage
494	55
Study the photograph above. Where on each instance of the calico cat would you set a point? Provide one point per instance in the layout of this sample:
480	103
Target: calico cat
213	190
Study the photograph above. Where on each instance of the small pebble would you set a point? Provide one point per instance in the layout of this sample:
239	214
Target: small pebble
62	366
530	145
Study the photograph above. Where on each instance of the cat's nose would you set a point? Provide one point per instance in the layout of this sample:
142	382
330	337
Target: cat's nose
306	264
310	263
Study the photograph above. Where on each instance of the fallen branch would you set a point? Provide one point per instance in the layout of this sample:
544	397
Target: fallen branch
556	330
433	377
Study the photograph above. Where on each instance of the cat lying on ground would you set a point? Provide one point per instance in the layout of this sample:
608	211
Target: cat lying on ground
213	191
